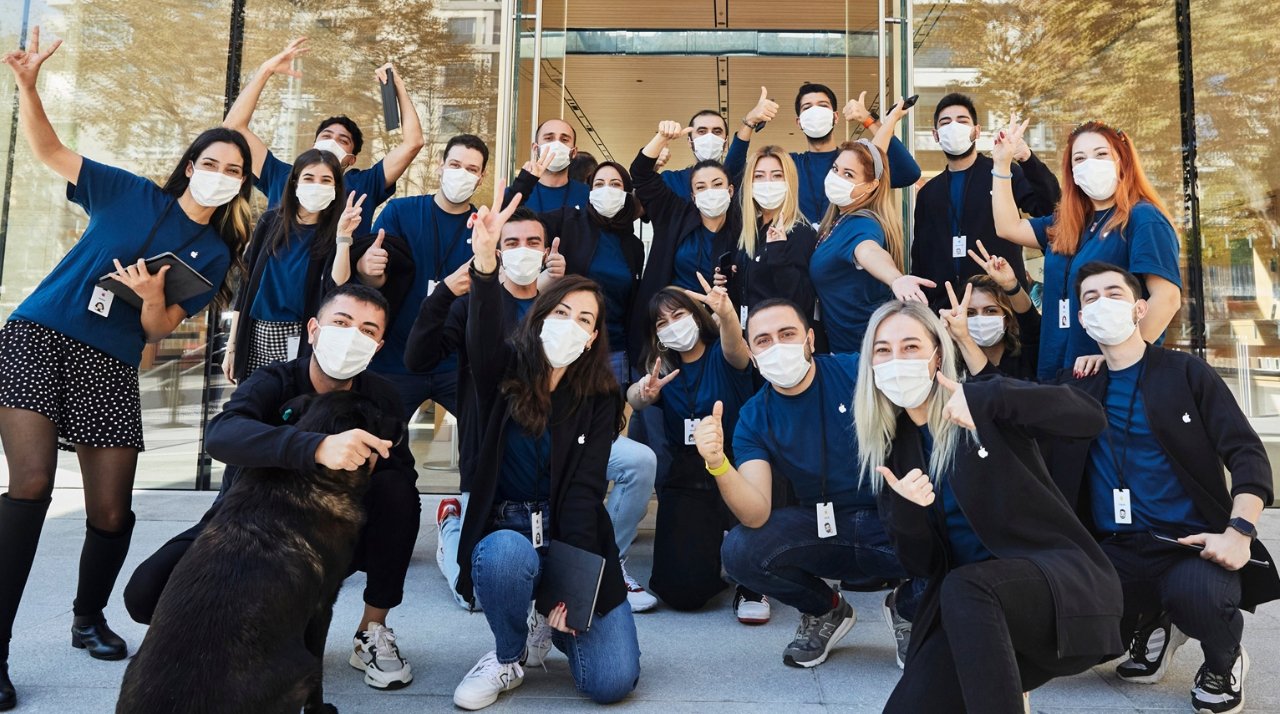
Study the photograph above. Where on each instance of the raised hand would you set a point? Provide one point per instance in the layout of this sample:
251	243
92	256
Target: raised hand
856	110
995	266
1007	141
26	63
670	130
381	73
538	166
486	228
652	383
148	285
349	450
716	298
957	317
555	261
374	261
915	486
350	218
282	63
764	110
896	113
708	436
663	157
957	407
907	288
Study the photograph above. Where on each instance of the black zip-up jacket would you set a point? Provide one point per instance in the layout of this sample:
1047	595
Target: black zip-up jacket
1012	505
581	436
778	270
1201	430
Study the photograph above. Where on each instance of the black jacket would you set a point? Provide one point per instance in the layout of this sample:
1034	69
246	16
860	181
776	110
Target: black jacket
1014	508
1201	430
931	243
1024	364
778	270
581	436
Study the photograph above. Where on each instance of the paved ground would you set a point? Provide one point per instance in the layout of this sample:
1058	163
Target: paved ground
704	662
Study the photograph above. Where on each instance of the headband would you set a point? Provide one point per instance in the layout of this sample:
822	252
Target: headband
875	156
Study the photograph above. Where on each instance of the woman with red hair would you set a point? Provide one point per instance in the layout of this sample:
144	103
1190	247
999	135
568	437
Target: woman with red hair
1111	213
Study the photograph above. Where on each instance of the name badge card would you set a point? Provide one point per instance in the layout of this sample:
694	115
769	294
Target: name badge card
1120	498
431	286
291	347
959	246
100	301
535	523
689	426
826	520
1064	314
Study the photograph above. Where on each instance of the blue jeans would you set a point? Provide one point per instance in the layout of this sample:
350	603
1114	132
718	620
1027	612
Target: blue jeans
450	535
632	469
786	560
414	389
605	660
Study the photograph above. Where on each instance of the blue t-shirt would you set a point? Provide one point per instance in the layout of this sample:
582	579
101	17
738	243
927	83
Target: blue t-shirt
545	199
1156	495
848	294
1149	246
526	465
693	256
371	182
965	545
440	243
694	392
788	432
814	166
123	208
522	306
680	181
284	278
609	268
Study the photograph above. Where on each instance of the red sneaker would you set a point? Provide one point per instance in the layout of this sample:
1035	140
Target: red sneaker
448	508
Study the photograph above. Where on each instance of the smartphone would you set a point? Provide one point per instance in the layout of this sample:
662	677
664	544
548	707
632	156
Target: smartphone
1189	546
390	103
910	102
725	263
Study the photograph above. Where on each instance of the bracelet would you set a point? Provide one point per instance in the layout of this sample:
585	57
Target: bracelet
1000	175
720	470
866	123
754	127
1017	288
345	240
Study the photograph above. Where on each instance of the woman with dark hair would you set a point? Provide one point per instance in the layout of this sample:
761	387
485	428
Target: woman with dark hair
995	327
69	353
694	364
550	409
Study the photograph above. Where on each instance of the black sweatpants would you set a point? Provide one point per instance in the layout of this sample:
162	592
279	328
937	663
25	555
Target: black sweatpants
997	639
690	527
392	514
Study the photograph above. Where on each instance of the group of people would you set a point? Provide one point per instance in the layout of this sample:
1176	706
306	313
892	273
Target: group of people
816	411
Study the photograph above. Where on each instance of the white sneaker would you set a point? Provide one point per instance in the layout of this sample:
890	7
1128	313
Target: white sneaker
749	611
378	657
538	646
486	681
637	597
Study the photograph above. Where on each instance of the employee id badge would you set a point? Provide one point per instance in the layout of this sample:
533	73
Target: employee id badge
100	301
742	316
690	425
1120	499
535	526
431	286
1064	314
291	347
959	246
826	520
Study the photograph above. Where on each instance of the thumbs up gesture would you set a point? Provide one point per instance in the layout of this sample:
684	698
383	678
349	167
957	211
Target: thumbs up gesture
957	407
709	436
764	110
915	486
373	264
555	261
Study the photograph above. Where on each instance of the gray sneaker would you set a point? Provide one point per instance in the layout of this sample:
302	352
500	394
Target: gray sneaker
817	634
900	625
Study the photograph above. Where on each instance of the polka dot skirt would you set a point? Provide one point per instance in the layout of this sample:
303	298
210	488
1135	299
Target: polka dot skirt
269	342
91	397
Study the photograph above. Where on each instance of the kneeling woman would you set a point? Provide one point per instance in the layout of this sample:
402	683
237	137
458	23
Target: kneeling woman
549	408
1019	592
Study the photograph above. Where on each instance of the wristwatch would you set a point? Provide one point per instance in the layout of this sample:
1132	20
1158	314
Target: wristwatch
344	240
1243	526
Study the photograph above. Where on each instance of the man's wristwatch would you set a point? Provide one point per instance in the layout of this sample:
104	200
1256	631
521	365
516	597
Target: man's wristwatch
1244	527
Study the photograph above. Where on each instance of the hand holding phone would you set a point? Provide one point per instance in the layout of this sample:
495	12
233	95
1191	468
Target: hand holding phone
390	102
1200	548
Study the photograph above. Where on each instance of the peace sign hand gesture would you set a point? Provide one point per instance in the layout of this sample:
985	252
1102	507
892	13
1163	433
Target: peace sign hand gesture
26	63
957	408
716	298
486	227
538	165
652	383
1007	141
957	317
350	218
915	486
998	268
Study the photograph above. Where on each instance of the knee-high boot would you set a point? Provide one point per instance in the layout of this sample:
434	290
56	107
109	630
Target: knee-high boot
20	524
100	562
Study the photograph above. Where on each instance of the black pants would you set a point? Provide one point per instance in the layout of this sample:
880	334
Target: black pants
691	522
997	639
392	514
1201	597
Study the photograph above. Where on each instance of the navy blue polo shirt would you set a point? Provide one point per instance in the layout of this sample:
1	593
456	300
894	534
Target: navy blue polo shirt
526	465
848	294
693	256
545	199
609	268
965	545
284	278
371	182
694	392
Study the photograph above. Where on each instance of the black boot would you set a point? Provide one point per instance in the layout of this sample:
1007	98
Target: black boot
8	697
20	525
100	561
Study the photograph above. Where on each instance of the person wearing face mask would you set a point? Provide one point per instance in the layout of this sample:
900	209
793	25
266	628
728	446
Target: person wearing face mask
253	430
1018	591
71	350
434	226
858	263
549	408
695	364
556	146
338	135
1157	469
995	333
797	428
1109	213
707	141
951	213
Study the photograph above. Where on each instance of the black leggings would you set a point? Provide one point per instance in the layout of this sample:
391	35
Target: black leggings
997	639
690	527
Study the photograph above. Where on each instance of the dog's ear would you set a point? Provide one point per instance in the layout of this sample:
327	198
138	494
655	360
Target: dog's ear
293	409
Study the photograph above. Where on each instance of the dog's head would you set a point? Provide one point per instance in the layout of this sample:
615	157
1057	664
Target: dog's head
337	412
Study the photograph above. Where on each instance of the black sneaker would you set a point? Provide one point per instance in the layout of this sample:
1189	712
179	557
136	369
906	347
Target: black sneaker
1151	652
817	634
900	625
1221	693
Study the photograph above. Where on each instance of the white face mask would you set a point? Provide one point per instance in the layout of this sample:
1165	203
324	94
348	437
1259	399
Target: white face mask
955	138
458	185
905	382
213	188
522	265
332	147
560	152
839	190
769	194
680	335
986	330
1096	177
343	352
563	341
1108	321
315	197
708	147
713	202
816	122
607	200
784	365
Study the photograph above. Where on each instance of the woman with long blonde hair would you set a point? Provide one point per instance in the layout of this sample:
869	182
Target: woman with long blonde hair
858	264
1018	591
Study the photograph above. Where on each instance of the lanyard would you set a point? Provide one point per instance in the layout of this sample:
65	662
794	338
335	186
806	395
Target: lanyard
151	237
822	422
1123	461
692	394
435	231
544	462
957	212
1088	235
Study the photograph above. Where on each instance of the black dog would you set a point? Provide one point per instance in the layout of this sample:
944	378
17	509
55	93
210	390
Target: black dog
241	626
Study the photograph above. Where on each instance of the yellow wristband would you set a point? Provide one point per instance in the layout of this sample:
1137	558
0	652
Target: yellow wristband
720	470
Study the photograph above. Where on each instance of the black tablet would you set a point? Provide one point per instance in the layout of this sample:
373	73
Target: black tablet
181	283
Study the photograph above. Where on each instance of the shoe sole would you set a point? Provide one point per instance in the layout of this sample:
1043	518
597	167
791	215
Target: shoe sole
754	620
1244	673
397	682
831	643
1154	678
888	620
488	701
642	608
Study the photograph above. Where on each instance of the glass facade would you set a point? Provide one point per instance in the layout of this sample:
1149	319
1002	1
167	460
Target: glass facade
1190	81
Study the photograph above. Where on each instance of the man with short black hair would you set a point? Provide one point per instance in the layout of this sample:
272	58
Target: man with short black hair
555	190
707	141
